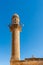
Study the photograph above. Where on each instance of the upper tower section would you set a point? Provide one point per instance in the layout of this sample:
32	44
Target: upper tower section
15	19
15	23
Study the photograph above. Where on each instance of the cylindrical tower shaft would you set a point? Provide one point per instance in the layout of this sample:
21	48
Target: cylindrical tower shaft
16	44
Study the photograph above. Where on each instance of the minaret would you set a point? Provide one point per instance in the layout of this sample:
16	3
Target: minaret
15	29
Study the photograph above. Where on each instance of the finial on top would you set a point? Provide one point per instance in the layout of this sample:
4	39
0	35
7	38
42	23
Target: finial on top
16	15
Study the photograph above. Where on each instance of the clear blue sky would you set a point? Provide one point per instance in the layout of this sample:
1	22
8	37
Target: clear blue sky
31	15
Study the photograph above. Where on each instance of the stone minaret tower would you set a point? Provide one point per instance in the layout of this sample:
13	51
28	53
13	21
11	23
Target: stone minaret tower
15	29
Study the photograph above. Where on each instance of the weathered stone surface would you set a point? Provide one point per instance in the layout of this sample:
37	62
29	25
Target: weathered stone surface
36	61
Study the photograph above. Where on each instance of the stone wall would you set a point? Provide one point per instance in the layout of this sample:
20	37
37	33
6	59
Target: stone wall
27	63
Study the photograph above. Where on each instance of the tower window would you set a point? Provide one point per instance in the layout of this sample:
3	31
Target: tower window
15	19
